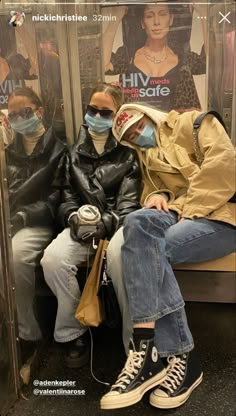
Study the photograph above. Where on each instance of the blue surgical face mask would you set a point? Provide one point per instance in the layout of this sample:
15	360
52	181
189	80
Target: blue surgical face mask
98	124
146	138
26	126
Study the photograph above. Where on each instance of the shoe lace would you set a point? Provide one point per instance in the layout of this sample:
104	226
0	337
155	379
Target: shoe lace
131	368
175	372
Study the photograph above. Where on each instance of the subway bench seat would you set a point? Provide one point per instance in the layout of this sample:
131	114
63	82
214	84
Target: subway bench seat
210	281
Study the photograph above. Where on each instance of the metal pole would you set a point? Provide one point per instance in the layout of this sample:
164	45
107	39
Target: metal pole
8	278
233	130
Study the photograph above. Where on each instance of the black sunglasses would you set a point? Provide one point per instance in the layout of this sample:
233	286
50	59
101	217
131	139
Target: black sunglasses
92	111
25	113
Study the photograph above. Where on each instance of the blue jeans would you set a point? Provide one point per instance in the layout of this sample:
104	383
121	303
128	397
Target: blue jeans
153	240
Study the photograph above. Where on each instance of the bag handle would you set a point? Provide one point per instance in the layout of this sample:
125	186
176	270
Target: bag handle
196	125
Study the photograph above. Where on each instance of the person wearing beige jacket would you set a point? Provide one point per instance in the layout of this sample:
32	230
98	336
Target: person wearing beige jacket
188	215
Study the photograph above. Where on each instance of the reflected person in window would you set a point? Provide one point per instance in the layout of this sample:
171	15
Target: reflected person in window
34	178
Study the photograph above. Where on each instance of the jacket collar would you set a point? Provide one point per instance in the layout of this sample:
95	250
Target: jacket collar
86	147
44	144
172	118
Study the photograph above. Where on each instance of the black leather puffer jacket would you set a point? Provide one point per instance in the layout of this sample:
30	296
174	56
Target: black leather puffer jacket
34	181
111	181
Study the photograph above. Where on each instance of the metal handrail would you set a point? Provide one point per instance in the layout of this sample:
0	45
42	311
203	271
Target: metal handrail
8	277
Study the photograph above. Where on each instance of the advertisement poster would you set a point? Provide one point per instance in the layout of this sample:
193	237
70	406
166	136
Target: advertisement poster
24	62
18	66
156	53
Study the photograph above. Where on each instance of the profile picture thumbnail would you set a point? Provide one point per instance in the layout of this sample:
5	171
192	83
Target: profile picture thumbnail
16	19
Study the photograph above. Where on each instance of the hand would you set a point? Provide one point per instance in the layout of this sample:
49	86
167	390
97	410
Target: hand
85	233
158	202
17	223
73	222
98	234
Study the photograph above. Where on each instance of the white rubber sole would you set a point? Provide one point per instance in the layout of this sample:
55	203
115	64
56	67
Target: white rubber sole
114	400
172	402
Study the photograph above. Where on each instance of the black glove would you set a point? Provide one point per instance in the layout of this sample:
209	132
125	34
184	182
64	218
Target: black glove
73	222
85	233
17	223
98	233
80	232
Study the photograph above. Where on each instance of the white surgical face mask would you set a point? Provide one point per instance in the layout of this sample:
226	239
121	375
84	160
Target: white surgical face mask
146	138
26	126
98	124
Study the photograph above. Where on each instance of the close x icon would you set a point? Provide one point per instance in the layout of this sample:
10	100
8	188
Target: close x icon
224	17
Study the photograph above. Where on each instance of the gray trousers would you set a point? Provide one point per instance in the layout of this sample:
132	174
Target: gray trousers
60	266
28	245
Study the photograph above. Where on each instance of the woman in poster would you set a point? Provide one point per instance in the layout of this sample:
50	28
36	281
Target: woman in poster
159	71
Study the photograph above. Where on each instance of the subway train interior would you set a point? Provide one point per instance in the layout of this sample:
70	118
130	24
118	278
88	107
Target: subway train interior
170	55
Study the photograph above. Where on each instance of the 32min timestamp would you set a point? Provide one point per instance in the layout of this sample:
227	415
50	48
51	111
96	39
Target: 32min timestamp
103	18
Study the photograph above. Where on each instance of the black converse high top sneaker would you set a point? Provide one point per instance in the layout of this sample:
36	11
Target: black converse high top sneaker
143	370
183	376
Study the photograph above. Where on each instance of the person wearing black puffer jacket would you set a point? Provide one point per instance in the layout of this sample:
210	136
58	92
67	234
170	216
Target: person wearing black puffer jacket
35	162
107	177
